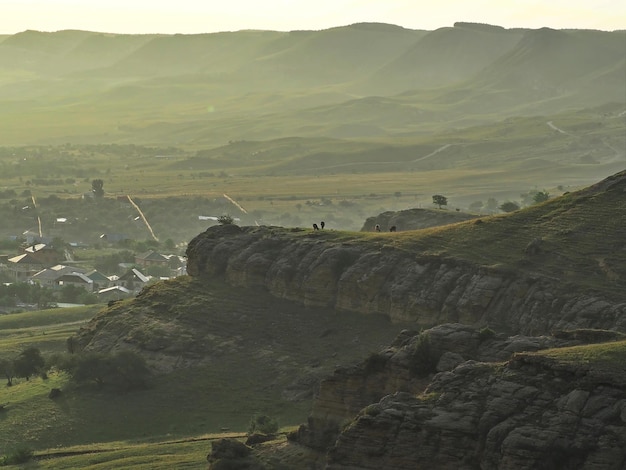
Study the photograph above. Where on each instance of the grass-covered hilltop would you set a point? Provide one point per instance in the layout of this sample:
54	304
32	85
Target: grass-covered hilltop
363	247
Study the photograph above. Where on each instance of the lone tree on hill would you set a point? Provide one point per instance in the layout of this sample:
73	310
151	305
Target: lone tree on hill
440	200
225	220
28	363
97	188
541	196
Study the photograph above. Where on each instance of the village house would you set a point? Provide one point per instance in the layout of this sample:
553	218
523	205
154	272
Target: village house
75	279
48	277
114	293
46	254
133	280
23	266
151	258
100	281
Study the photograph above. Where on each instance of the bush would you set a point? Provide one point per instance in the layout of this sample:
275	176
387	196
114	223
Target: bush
17	456
225	220
486	333
262	424
29	362
124	370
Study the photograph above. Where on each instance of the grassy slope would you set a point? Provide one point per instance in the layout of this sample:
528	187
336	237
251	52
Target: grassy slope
257	352
582	239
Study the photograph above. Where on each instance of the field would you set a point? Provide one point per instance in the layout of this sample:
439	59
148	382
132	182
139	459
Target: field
62	431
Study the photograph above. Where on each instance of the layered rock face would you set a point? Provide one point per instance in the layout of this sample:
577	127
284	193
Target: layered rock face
324	269
528	414
531	412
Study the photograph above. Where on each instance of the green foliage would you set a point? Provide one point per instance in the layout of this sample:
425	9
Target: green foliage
17	456
27	293
7	368
492	204
124	370
440	200
28	362
541	196
225	220
371	410
262	424
486	333
97	187
110	263
509	206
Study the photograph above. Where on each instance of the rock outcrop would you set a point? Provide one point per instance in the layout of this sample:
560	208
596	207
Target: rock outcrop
478	403
330	269
530	413
414	219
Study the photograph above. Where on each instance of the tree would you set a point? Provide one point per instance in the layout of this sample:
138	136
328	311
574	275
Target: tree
6	368
169	244
97	186
225	220
476	205
509	206
541	196
28	363
440	200
70	293
492	204
124	370
262	424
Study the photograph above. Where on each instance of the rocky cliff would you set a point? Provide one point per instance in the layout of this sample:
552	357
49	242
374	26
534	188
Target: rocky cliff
339	271
536	411
559	265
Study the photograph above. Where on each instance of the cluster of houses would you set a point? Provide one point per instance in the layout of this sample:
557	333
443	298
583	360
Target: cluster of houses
43	264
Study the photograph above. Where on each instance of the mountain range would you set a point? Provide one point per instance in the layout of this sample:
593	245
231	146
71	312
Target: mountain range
359	81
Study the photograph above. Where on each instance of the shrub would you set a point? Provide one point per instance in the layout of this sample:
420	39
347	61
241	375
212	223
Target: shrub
17	456
124	370
486	333
225	220
29	362
262	424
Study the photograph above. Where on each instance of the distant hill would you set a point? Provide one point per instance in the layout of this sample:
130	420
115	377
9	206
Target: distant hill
369	79
414	219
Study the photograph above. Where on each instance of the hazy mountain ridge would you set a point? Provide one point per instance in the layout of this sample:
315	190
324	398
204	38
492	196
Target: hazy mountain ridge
444	76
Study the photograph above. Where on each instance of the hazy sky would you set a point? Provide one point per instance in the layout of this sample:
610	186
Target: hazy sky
203	16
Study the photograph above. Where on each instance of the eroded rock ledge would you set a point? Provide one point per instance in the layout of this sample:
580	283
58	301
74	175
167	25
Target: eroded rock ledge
322	268
490	406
